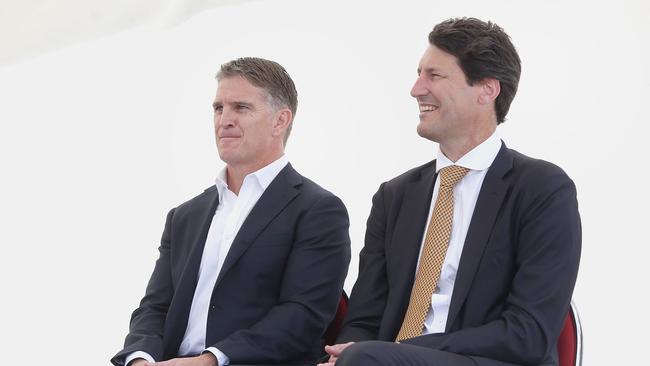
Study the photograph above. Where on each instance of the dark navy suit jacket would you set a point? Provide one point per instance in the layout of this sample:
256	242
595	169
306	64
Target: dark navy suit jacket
279	286
516	273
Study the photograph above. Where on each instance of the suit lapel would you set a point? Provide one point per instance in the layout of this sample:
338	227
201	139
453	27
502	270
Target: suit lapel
275	198
407	236
202	213
487	207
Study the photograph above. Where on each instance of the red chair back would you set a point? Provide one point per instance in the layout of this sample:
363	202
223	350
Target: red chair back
569	345
334	328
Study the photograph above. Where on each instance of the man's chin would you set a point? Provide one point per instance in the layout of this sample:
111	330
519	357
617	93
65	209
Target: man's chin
426	133
227	155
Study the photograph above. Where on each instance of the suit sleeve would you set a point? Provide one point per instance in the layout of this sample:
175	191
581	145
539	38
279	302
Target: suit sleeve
370	291
311	287
548	244
147	321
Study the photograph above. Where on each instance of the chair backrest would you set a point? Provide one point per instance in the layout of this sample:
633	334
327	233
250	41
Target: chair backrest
569	345
334	328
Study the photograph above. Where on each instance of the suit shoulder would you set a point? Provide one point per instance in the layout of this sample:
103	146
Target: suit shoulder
207	196
535	168
410	175
537	175
314	190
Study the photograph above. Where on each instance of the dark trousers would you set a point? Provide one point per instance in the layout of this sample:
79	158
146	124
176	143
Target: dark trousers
376	353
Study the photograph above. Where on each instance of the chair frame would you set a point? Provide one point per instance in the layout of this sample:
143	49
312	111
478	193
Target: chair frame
578	326
572	330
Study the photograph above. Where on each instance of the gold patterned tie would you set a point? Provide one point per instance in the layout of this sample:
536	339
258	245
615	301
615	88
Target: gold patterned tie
433	254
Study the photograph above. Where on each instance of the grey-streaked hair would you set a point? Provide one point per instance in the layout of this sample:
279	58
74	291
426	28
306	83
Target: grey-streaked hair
268	75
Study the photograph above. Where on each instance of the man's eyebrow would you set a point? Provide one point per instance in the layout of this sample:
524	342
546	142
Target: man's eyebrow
236	102
241	102
429	69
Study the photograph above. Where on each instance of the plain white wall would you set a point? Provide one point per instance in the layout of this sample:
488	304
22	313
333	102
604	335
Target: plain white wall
99	140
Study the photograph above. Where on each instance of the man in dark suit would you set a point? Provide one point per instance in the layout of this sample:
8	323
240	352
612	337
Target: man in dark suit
251	270
470	259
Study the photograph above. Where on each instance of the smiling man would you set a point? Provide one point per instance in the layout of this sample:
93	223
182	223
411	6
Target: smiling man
471	258
251	270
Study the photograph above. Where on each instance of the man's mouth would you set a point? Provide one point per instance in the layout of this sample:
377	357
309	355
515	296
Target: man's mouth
227	140
428	108
225	136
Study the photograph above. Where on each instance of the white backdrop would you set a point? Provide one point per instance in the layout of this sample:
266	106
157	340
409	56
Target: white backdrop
99	140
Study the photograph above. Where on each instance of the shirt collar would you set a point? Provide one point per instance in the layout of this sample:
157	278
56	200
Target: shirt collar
479	158
263	176
266	175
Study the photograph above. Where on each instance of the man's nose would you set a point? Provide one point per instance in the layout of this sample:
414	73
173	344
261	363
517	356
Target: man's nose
224	118
418	88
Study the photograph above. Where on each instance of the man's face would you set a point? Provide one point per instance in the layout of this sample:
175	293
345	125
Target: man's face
244	123
448	105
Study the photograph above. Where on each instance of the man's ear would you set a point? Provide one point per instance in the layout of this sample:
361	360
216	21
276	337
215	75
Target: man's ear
283	119
490	89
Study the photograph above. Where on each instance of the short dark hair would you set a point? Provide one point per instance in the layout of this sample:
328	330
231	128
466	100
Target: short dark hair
268	75
483	50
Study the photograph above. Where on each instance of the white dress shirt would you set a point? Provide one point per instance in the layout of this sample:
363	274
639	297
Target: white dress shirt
226	222
478	160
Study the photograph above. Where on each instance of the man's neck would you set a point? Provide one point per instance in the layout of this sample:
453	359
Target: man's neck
235	174
454	149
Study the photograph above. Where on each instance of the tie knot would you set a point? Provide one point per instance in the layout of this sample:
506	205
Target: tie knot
451	175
